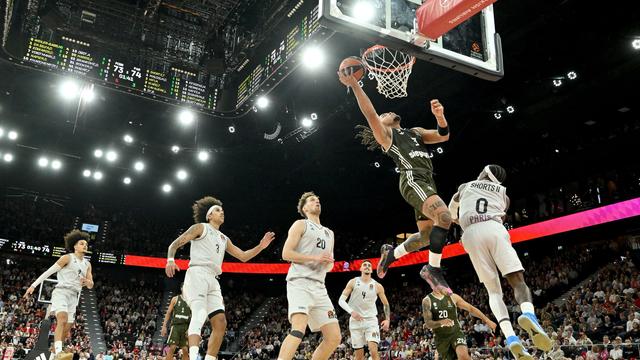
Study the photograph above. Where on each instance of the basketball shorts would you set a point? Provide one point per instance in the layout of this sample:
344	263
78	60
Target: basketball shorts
178	335
447	344
200	284
363	332
310	297
416	187
65	300
489	247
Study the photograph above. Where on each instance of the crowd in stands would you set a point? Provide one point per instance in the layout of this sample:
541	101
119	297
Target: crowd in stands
20	318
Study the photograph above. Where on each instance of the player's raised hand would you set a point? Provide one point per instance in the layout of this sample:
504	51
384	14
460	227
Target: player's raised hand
436	108
28	293
171	268
385	325
267	239
347	79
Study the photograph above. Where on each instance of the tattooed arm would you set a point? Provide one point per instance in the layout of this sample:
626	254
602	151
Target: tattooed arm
193	233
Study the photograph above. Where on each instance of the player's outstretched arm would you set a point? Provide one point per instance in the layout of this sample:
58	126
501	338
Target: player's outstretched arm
380	132
57	266
462	304
289	252
167	316
441	134
193	233
246	255
385	306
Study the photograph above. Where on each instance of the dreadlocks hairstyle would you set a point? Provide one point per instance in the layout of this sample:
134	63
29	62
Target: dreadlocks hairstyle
72	238
303	201
365	134
200	208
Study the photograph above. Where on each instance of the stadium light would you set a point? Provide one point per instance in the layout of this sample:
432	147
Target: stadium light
69	90
557	82
314	116
98	153
88	95
262	102
313	57
182	175
127	138
175	149
8	157
56	164
376	164
126	180
636	44
1	132
306	122
511	109
363	11
186	117
86	173
497	115
43	162
138	166
111	156
166	188
572	75
203	155
12	135
97	175
232	129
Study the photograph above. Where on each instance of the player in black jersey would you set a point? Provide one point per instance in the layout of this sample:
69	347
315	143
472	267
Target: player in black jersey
407	149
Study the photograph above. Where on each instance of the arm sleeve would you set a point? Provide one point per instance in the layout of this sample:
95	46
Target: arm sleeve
343	304
45	275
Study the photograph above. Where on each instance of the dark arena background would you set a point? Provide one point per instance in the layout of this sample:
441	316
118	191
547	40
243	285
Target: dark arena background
116	116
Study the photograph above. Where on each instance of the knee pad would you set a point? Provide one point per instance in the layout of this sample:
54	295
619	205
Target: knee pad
296	333
198	317
438	239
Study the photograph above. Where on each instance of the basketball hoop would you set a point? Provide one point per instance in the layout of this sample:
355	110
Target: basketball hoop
391	69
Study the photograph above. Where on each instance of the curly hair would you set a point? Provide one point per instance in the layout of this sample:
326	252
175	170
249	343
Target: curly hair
365	134
72	238
303	201
200	208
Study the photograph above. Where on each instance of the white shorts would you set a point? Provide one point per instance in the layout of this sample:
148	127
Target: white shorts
310	297
65	300
363	332
200	284
489	247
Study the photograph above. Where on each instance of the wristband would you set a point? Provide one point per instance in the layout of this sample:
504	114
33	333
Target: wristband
443	131
171	260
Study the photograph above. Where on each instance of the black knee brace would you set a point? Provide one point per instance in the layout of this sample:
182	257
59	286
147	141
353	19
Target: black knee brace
438	239
296	333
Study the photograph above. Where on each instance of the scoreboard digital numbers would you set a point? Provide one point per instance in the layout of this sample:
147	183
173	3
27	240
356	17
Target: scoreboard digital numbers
78	58
277	56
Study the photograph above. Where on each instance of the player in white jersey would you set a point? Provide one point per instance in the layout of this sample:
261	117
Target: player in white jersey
482	204
309	248
73	273
201	289
363	291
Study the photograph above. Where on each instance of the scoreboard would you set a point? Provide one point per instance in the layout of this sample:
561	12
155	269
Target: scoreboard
277	56
78	58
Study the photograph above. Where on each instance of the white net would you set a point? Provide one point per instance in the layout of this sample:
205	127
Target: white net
391	69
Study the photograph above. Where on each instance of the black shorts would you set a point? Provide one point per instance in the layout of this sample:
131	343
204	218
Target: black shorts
416	187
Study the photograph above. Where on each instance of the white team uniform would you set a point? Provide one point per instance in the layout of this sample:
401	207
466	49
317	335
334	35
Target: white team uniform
66	294
363	301
482	205
205	265
306	292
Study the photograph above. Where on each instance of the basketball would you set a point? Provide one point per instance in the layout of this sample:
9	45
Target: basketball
354	66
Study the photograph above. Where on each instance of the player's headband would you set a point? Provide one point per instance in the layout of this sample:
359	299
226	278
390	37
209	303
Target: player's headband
489	174
211	210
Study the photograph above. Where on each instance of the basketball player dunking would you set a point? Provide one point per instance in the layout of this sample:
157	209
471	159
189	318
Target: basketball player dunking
309	248
201	289
73	273
407	149
482	204
363	291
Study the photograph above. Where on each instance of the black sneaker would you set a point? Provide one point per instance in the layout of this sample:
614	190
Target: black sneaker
386	259
434	277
